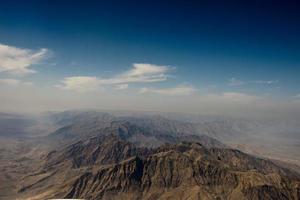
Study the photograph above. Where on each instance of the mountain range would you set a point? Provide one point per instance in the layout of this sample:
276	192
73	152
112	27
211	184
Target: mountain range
96	155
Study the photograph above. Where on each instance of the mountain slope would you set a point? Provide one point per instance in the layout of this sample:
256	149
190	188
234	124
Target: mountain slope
181	171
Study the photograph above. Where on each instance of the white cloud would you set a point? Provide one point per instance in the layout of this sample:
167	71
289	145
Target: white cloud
17	61
14	82
237	82
80	83
297	96
180	90
140	73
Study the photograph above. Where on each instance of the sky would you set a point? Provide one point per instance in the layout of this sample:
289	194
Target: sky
221	57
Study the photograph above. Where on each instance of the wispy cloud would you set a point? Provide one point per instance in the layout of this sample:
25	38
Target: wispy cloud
233	97
121	87
237	96
236	82
180	90
140	73
17	61
14	82
268	82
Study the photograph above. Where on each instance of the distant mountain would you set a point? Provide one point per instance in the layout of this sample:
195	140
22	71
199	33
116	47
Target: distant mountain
72	116
108	167
140	135
276	139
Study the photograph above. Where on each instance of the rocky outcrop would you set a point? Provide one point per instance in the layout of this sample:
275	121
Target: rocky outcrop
111	168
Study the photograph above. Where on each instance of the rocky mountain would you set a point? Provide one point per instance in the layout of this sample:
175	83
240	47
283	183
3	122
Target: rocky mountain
108	167
98	150
75	116
96	155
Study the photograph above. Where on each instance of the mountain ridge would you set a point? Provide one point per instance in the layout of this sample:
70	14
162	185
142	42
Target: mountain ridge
187	169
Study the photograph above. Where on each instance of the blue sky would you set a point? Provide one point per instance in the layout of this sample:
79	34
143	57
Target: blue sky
178	48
